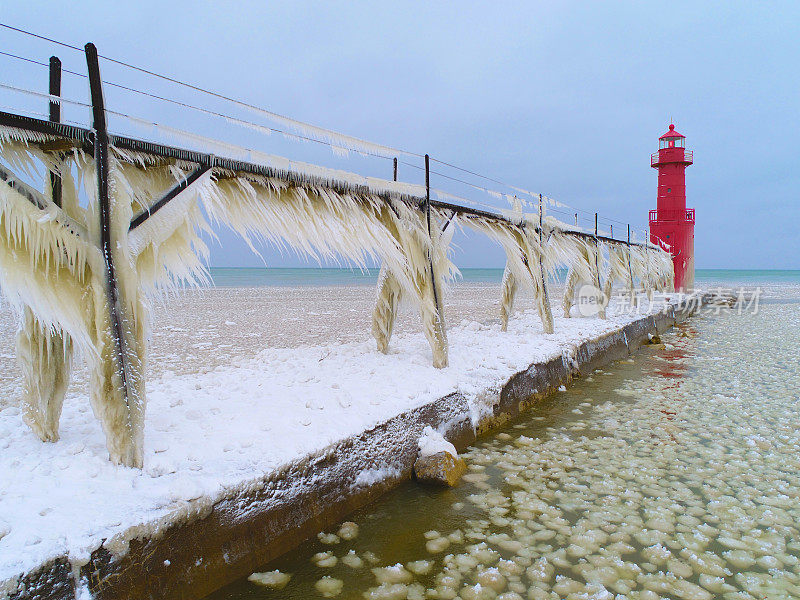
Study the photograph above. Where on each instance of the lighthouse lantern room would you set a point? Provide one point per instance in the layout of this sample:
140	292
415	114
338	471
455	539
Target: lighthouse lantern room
671	223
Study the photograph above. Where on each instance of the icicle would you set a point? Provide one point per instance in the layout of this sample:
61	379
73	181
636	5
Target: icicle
509	292
411	277
524	262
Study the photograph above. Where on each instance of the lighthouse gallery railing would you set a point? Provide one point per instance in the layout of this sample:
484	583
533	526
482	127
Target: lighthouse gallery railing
671	214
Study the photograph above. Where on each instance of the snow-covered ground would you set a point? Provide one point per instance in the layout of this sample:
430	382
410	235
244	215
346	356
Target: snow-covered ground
214	429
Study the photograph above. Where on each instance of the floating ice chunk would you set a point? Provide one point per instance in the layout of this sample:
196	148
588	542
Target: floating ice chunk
370	557
492	578
732	543
769	562
477	592
511	545
690	591
565	586
419	567
394	574
437	545
457	536
387	591
271	579
448	578
739	558
656	554
483	553
509	596
329	587
348	530
711	583
578	551
352	560
475	477
680	568
465	563
416	591
324	559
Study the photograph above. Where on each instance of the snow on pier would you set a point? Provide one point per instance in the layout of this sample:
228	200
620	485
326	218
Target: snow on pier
211	432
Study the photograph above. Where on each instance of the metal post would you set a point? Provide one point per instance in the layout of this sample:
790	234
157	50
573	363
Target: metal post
630	270
541	256
428	191
439	309
428	218
541	218
597	255
395	168
101	160
55	117
576	219
611	235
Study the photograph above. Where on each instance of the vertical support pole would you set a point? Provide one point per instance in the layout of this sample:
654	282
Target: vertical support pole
576	219
44	354
101	159
630	271
631	289
612	232
548	326
55	117
428	219
440	333
428	191
395	169
600	294
541	250
541	220
596	253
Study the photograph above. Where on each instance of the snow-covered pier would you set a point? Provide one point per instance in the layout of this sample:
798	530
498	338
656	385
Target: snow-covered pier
231	466
235	477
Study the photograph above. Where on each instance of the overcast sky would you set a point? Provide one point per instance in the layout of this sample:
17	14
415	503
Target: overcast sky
566	99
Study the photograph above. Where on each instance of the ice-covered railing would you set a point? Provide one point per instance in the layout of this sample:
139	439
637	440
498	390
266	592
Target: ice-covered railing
87	287
253	161
337	141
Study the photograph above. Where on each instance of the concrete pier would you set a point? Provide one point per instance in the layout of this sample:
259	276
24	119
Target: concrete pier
212	543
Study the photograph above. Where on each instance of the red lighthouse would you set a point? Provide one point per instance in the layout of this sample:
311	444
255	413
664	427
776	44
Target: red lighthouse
672	222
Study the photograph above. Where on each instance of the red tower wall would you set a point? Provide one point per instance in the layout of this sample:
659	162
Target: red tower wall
671	181
680	236
672	222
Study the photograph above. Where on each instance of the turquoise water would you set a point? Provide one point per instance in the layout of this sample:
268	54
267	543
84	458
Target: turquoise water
251	277
707	277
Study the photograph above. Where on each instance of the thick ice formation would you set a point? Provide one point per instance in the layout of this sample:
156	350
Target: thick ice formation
73	294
